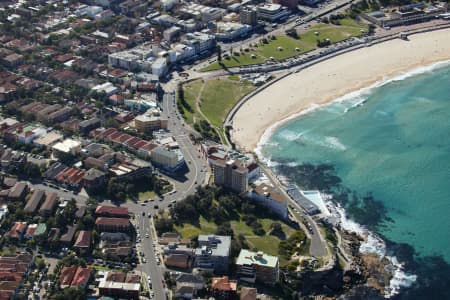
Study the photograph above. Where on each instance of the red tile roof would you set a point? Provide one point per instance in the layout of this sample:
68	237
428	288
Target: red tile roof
81	276
83	239
110	211
223	284
17	229
66	275
112	221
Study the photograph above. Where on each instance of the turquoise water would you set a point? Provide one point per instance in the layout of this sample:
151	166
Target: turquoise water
395	144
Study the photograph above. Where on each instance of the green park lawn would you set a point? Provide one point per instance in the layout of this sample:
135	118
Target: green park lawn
306	42
191	91
266	243
189	231
220	95
146	195
216	100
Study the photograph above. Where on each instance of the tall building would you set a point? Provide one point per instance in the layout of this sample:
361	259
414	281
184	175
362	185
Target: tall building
232	174
249	15
257	266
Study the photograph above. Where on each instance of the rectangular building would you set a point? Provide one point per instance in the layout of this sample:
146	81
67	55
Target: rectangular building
232	174
113	224
34	201
257	266
213	252
271	198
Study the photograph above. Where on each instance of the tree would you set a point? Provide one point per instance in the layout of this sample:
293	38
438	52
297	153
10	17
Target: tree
70	293
225	229
219	53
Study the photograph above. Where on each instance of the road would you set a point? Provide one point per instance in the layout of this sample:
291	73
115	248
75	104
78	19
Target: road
195	163
318	246
150	267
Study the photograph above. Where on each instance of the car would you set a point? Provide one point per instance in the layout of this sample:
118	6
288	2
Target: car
146	201
155	206
144	260
143	213
143	204
146	235
149	278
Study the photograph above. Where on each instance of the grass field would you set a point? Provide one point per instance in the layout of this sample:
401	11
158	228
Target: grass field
191	91
216	98
188	231
146	195
266	243
306	42
219	96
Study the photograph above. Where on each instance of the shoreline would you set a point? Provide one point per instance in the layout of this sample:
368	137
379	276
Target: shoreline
268	132
327	82
378	73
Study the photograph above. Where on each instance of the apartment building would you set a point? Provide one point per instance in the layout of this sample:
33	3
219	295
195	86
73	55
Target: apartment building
150	122
113	224
249	15
271	198
257	266
272	12
232	174
213	252
169	159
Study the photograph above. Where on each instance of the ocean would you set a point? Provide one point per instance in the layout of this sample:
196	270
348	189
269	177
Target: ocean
390	141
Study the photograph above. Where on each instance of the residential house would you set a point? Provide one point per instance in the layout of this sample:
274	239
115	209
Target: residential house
17	230
32	204
248	293
223	287
67	237
68	146
84	127
120	285
94	179
14	270
188	285
35	230
74	276
18	191
49	205
83	242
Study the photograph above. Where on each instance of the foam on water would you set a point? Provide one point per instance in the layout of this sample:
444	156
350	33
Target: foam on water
350	101
374	244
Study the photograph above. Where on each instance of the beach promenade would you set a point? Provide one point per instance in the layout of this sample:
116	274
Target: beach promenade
333	78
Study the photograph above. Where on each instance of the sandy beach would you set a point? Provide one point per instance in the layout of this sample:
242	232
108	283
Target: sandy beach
334	78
